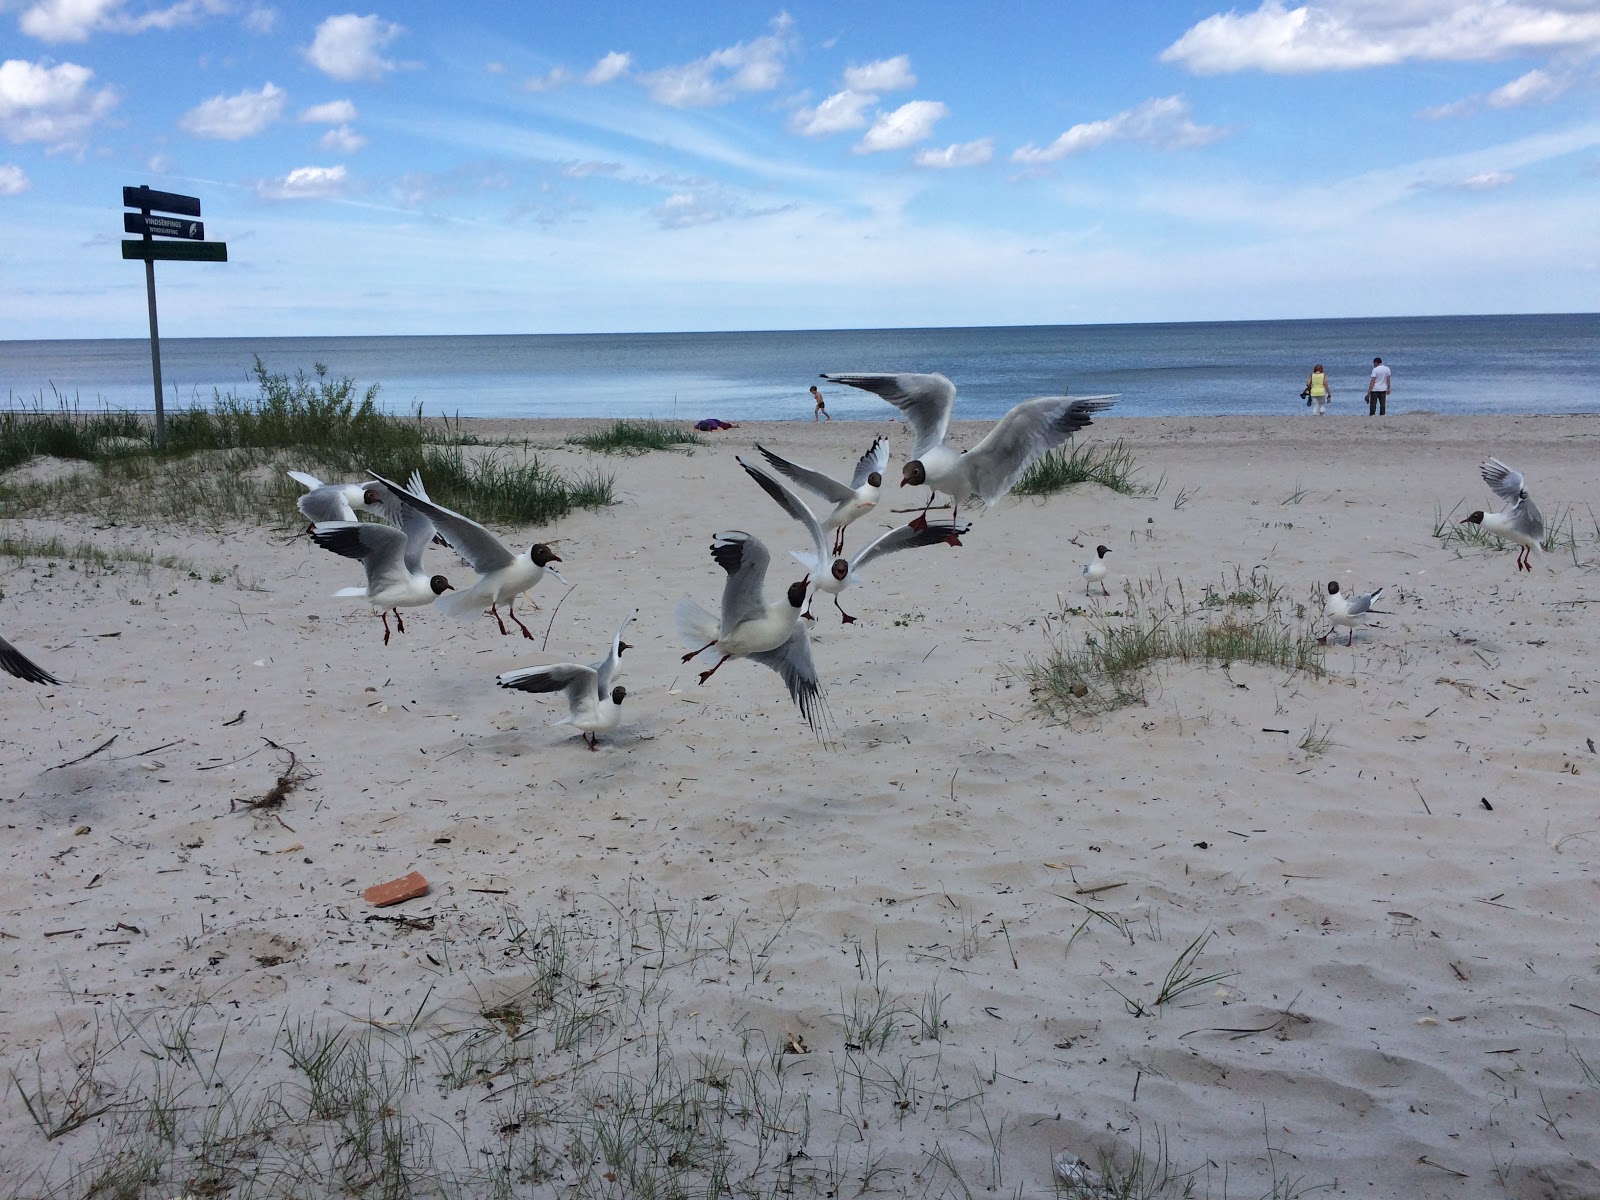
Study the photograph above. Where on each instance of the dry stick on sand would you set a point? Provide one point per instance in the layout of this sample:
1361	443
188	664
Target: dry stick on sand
288	781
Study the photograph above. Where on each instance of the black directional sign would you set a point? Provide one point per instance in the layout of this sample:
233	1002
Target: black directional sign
178	227
175	251
147	198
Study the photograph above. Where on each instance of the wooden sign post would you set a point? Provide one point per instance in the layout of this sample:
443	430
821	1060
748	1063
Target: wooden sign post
192	249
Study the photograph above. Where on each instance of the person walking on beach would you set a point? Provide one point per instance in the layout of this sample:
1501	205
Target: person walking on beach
1378	389
821	409
1317	393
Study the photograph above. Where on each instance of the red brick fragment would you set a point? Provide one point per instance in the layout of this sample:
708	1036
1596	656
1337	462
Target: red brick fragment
396	891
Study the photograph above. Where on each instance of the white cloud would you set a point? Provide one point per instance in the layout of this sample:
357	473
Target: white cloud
342	140
907	125
261	20
962	154
583	170
53	105
1164	122
334	112
839	112
1456	108
610	67
1486	181
347	47
885	75
1336	35
753	66
305	183
1531	88
232	118
13	180
75	20
553	79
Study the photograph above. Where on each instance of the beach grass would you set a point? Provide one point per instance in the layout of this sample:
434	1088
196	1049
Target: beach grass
224	464
638	437
1110	464
1111	664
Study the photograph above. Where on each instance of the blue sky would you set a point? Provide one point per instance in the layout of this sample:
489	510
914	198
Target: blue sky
432	168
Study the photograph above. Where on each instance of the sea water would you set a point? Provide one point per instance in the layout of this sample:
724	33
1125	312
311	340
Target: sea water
1470	364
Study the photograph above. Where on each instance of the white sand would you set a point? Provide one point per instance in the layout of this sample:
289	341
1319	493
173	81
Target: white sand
1439	959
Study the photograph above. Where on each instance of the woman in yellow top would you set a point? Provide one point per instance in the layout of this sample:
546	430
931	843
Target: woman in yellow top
1317	391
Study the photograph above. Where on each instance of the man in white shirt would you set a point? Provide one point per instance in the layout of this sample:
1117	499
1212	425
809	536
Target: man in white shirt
1378	389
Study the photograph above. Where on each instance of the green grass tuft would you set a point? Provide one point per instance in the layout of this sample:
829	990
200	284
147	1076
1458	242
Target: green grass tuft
637	437
1109	464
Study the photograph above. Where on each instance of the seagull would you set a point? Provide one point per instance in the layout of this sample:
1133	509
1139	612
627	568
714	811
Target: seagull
593	705
332	501
15	662
770	634
1520	521
392	558
1095	570
1347	611
991	467
502	575
841	572
851	501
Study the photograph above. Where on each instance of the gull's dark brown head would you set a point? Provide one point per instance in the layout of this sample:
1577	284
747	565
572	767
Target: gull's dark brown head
371	496
1474	519
543	555
797	592
875	479
914	474
840	568
617	693
1333	587
440	585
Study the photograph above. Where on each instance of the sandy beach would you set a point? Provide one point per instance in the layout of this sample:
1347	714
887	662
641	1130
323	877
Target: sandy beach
1265	931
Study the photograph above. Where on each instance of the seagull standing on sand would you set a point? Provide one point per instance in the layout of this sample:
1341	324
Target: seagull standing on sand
1095	570
1347	611
770	634
990	468
593	705
841	572
15	662
1520	521
851	501
502	575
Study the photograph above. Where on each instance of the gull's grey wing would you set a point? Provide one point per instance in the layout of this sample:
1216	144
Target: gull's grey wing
604	669
907	537
1361	604
417	525
381	549
875	459
482	551
1023	435
15	662
325	502
745	560
576	680
1504	482
826	486
1526	518
792	661
788	501
925	400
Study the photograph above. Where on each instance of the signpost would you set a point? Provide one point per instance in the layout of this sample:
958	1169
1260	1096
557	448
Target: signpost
192	249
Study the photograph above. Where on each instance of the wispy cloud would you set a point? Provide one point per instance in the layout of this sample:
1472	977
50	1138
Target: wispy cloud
1341	35
53	105
611	67
907	125
341	140
885	75
840	112
961	154
305	183
233	118
13	180
76	20
1536	87
334	112
349	48
1164	122
753	66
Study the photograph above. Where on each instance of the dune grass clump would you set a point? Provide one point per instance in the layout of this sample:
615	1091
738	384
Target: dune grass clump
1110	464
1111	665
65	431
637	437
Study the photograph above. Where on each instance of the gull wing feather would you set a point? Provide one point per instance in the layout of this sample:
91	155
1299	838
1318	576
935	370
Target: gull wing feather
925	401
792	661
1022	436
825	486
1503	481
1362	604
875	459
789	502
573	679
745	560
482	551
907	537
15	662
380	549
604	669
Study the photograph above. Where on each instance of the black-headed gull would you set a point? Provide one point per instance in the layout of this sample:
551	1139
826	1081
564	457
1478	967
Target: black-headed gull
841	572
502	575
332	501
1346	612
851	501
392	559
593	705
1095	570
770	634
990	468
15	662
1520	521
